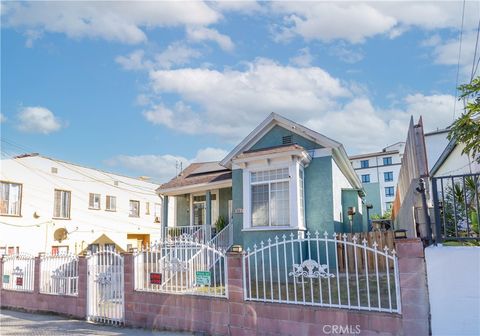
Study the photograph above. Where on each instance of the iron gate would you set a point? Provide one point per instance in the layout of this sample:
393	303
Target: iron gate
105	294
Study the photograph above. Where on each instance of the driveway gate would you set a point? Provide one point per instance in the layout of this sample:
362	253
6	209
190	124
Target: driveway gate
105	296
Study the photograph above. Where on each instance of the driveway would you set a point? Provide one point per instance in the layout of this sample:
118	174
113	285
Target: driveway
20	323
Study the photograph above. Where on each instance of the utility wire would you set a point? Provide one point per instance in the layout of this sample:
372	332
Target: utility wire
458	62
475	61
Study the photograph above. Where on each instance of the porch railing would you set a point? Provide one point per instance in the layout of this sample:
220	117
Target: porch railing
224	239
308	270
456	202
196	232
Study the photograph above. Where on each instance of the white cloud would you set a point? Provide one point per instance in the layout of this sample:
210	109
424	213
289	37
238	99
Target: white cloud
446	52
2	118
36	119
243	6
303	59
231	103
113	21
134	61
163	167
176	54
346	53
200	34
355	22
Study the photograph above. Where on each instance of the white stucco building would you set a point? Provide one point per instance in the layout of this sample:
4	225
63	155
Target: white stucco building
49	205
378	172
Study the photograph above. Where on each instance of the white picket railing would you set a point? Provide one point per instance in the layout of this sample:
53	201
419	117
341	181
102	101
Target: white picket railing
59	274
182	266
18	272
195	232
310	271
224	239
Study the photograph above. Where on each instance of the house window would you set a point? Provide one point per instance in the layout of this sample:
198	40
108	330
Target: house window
366	178
388	176
94	201
61	208
93	248
158	212
134	209
389	191
364	164
59	250
111	203
388	205
387	161
270	198
11	194
147	208
109	247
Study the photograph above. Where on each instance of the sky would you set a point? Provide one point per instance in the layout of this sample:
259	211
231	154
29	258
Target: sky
135	88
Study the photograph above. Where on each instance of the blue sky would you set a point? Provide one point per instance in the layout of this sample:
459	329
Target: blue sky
133	88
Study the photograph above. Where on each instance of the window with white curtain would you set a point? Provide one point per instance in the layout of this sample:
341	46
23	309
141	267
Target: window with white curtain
94	201
61	208
11	196
270	198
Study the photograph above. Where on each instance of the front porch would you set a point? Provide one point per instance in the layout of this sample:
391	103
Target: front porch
200	201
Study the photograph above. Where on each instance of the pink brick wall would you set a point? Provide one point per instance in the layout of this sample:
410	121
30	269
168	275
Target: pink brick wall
35	301
234	316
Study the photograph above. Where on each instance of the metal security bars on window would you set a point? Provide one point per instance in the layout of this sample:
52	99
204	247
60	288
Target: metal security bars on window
182	266
59	274
323	270
18	272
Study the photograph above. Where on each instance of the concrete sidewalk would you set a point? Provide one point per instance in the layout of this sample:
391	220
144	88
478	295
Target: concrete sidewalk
20	323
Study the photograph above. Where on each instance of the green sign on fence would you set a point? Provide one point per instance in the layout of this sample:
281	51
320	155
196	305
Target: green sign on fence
203	278
6	278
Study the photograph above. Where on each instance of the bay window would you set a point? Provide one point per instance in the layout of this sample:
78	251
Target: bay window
270	198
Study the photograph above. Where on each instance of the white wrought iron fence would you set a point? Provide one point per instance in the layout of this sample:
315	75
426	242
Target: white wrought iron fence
323	271
18	272
59	274
183	266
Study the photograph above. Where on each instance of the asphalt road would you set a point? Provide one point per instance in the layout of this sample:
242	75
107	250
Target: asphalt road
21	323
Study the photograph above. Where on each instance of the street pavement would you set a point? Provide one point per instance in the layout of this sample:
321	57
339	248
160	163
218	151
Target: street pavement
21	323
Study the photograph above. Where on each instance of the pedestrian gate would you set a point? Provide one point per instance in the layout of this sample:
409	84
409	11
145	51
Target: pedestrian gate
105	293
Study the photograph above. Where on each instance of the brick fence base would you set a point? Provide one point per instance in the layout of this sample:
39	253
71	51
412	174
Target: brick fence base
234	316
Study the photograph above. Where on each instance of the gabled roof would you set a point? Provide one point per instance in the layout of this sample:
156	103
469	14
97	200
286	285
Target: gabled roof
197	174
338	151
445	154
272	120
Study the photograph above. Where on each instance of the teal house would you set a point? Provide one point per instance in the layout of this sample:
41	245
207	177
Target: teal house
282	178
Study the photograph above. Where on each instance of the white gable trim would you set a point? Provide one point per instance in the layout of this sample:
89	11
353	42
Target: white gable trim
265	126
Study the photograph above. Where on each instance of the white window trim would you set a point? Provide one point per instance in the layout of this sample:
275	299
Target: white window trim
294	199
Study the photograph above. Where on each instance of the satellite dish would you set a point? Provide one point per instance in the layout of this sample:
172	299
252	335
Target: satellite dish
60	234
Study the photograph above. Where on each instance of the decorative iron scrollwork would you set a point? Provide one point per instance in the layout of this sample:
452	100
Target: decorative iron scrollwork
176	265
104	278
307	270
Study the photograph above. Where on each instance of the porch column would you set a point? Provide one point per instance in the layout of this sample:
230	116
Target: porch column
208	215
164	223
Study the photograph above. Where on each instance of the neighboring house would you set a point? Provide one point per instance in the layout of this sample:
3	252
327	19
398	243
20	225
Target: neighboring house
435	144
282	178
453	162
378	172
49	205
